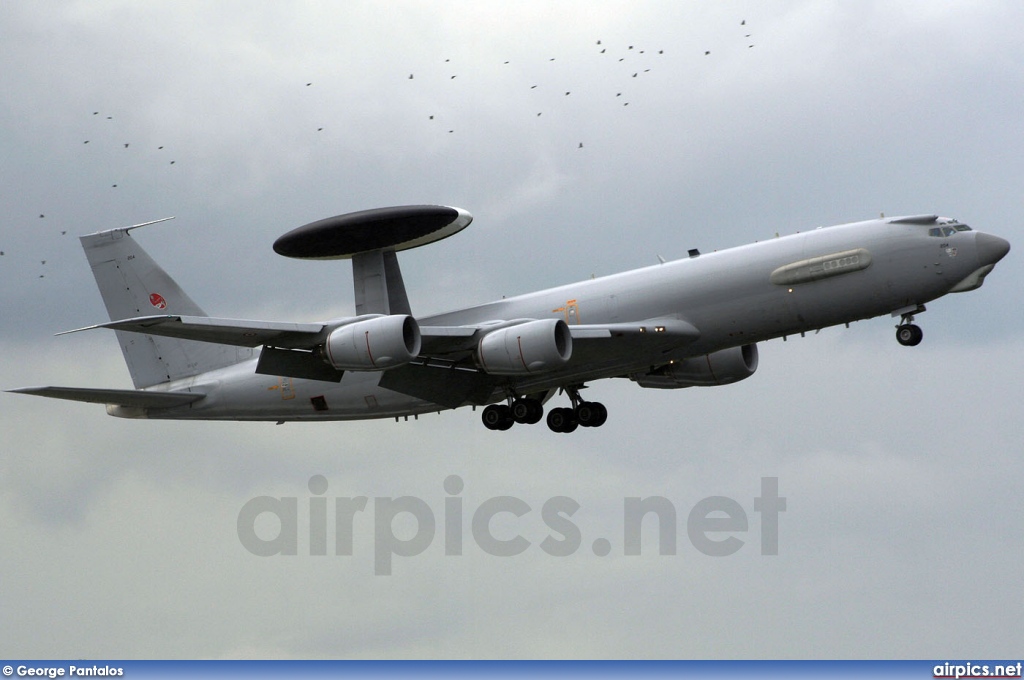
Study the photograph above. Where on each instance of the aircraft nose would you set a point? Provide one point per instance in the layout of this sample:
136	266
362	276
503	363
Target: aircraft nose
991	248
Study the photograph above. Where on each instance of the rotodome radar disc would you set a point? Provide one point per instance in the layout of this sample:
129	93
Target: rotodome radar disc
395	228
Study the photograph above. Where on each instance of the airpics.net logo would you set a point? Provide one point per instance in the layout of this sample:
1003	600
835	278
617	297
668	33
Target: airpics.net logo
716	526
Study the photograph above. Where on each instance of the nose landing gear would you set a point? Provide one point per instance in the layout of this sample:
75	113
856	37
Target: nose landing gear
908	334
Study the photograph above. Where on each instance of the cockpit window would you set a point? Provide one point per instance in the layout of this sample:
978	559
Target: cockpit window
962	227
945	231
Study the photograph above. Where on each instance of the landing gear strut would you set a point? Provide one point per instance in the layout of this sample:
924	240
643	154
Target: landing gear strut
528	411
582	413
907	334
498	417
524	410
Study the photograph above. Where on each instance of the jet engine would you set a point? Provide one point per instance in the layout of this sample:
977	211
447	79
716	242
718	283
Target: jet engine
373	344
525	348
718	368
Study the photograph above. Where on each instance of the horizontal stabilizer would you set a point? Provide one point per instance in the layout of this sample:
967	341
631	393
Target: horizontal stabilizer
130	398
238	332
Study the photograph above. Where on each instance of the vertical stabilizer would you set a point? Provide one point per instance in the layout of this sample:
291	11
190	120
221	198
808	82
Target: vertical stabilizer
133	284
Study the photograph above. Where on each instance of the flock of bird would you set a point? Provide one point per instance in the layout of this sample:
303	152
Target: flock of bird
633	62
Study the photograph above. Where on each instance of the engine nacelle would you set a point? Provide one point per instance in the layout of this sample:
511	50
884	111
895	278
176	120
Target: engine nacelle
373	344
525	348
718	368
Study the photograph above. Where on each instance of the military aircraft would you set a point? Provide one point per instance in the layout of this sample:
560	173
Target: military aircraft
690	322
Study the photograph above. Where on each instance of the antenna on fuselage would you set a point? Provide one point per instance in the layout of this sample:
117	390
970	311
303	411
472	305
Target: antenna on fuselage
371	238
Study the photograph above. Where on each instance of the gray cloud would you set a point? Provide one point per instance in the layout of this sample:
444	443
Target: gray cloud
898	465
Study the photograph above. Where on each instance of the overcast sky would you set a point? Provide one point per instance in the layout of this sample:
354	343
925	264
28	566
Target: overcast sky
901	467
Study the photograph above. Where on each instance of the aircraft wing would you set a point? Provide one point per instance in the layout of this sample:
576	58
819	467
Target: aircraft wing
240	332
445	376
654	330
444	341
131	398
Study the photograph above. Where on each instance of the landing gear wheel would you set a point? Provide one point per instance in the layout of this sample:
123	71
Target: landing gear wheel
527	411
909	335
562	420
497	417
591	414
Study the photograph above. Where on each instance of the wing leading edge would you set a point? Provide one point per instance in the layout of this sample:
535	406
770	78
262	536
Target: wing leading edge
239	332
445	372
453	380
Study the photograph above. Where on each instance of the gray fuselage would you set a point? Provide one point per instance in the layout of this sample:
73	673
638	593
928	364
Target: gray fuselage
734	297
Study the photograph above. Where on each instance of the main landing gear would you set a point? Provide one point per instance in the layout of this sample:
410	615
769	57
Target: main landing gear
528	411
907	334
